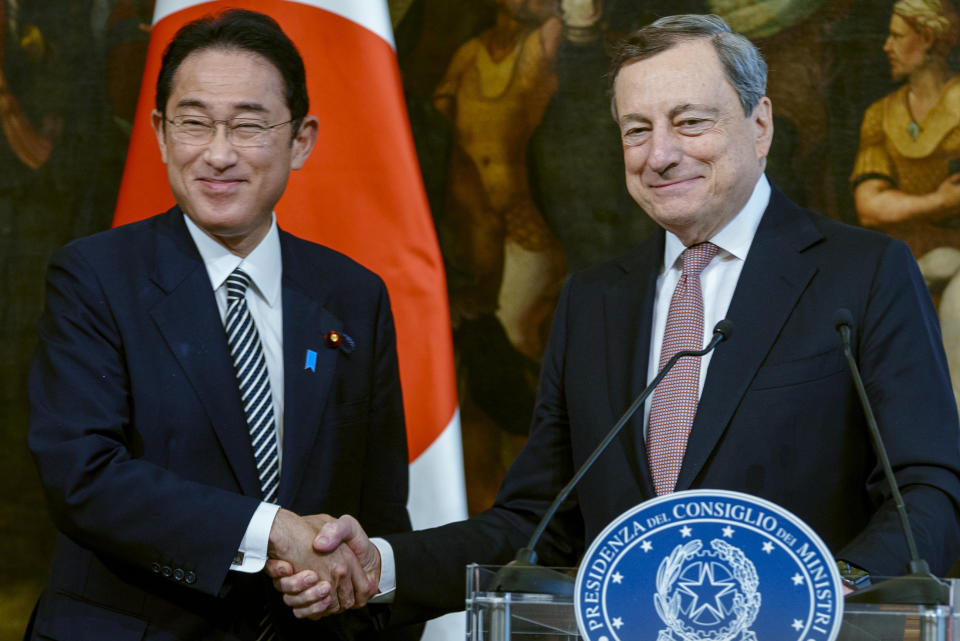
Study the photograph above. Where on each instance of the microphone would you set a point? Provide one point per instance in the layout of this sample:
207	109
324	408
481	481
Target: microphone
919	586
524	575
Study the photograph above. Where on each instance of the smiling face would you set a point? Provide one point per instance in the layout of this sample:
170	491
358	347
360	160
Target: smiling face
691	157
228	191
905	48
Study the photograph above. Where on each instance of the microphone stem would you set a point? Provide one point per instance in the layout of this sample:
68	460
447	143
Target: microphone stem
528	552
879	447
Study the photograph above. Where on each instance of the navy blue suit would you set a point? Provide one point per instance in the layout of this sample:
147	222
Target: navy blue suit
778	416
139	434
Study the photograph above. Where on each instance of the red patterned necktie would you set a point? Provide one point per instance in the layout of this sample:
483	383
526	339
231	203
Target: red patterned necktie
675	399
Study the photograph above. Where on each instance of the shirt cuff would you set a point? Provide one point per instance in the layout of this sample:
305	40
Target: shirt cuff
252	554
388	572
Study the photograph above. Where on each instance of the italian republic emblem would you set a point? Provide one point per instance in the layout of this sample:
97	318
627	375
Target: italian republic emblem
708	565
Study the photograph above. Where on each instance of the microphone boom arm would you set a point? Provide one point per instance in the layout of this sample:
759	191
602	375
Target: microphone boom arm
918	586
612	434
509	578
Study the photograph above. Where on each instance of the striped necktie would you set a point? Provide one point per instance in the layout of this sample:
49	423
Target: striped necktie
254	383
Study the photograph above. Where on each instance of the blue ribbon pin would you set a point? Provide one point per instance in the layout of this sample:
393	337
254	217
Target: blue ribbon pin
311	363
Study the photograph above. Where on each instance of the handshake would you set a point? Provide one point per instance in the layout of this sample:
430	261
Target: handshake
322	565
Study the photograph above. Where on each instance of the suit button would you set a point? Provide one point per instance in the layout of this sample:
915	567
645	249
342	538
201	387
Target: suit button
190	578
166	570
155	567
178	574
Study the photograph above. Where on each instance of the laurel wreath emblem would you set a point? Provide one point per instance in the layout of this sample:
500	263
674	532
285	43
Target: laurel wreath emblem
746	602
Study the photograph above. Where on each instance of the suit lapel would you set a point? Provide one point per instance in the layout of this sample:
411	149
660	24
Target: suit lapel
628	317
773	278
188	319
308	365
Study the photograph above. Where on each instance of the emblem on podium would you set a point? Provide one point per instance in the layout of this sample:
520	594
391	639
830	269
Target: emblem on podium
708	565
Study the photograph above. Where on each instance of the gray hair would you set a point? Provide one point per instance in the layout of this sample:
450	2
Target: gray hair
744	66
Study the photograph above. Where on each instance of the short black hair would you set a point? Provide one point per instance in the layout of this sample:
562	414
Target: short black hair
241	30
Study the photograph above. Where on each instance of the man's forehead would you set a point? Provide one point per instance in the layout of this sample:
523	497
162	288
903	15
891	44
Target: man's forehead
687	76
243	78
222	60
242	105
678	109
690	56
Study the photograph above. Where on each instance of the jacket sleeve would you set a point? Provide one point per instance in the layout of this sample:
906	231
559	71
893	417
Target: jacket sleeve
431	564
898	345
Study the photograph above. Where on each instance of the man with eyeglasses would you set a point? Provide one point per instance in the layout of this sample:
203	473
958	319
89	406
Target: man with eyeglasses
203	378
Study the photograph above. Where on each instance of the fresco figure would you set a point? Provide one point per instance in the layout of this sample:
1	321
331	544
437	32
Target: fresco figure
906	177
505	265
31	147
903	180
494	93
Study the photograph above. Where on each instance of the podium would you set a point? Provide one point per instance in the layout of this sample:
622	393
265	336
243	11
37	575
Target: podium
502	616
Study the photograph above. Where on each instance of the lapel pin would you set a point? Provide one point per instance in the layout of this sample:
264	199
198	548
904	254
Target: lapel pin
339	340
311	362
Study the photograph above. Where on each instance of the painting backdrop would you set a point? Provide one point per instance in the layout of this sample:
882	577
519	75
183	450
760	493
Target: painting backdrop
521	160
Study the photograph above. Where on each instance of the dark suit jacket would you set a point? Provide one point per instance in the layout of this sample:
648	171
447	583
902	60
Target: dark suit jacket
139	434
778	416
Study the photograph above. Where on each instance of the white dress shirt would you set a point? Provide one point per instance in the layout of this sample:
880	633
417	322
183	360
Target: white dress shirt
265	268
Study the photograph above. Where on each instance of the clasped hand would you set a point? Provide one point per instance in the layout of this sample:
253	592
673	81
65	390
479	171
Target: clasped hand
321	564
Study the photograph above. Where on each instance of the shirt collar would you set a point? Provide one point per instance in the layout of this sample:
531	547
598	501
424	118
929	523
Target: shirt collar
264	264
737	235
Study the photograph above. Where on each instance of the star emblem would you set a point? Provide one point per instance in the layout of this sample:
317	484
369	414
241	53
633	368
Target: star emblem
728	532
617	578
617	623
709	590
685	531
797	579
646	546
797	625
767	547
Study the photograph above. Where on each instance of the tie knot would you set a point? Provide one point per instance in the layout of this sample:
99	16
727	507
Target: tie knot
237	284
697	257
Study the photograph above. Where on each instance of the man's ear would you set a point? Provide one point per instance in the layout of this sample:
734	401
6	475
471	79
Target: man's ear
158	123
762	118
304	140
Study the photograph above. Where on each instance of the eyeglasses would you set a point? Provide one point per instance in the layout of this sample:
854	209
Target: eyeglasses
241	132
